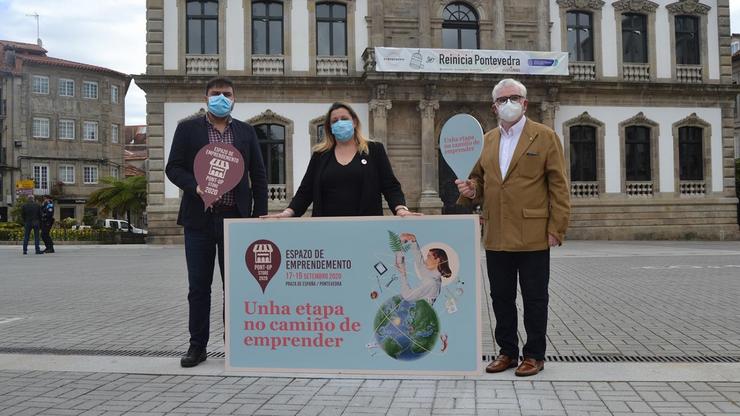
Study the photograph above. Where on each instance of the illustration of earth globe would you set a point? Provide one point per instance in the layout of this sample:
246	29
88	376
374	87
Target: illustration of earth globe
406	330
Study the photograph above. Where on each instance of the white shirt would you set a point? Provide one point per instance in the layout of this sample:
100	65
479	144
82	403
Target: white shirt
430	281
509	140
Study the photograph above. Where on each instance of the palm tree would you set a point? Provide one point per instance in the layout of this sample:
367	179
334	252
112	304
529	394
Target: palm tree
127	195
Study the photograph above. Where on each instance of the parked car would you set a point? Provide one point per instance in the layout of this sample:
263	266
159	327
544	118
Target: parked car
122	225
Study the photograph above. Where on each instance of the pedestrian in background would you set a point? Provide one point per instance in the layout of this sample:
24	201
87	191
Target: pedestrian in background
47	221
31	216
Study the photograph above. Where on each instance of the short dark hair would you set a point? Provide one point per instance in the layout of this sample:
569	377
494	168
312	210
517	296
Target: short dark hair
219	82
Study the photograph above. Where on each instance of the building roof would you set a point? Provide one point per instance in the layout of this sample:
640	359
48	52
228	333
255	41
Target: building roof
132	171
48	60
138	154
35	54
23	47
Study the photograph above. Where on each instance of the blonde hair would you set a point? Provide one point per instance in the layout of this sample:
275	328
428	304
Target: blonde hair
330	141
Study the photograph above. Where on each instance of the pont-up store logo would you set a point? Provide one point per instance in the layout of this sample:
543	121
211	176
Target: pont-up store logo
263	261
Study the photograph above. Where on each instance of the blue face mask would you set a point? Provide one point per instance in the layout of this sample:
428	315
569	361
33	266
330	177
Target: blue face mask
343	130
219	105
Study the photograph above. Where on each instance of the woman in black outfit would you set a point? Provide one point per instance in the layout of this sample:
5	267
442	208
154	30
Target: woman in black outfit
347	173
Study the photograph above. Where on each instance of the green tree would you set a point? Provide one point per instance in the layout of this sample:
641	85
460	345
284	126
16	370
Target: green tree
120	196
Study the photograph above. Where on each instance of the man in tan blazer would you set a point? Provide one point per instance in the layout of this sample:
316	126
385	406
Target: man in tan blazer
521	183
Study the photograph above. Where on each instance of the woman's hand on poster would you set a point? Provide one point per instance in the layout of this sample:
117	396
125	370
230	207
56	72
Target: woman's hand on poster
286	213
403	211
466	188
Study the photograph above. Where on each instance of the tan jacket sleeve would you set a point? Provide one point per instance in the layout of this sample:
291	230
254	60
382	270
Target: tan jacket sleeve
558	190
477	177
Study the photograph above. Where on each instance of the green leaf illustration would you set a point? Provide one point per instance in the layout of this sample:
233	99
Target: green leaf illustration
395	242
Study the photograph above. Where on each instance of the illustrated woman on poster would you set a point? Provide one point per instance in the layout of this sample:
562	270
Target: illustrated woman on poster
430	270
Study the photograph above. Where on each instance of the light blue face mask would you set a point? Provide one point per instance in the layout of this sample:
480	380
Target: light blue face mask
219	105
343	130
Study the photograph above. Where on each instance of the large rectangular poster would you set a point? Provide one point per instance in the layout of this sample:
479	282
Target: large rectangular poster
353	295
477	61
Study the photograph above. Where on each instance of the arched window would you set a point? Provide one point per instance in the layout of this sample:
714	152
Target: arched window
580	36
637	154
634	38
583	154
202	27
267	28
271	138
331	29
460	27
687	40
690	153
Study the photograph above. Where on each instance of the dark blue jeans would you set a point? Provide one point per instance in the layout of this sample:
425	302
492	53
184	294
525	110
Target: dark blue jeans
201	247
27	234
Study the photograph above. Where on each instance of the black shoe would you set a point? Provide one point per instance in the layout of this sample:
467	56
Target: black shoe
195	356
39	252
48	250
25	253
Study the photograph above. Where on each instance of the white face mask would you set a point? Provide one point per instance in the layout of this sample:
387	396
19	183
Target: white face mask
510	111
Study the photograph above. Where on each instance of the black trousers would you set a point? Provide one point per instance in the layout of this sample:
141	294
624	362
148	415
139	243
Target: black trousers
533	269
46	236
202	247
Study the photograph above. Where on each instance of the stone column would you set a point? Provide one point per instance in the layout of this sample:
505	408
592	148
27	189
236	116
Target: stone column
543	22
379	109
499	25
430	202
548	113
425	24
377	25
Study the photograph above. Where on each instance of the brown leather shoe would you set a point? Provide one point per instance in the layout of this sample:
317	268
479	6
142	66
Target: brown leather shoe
501	363
529	367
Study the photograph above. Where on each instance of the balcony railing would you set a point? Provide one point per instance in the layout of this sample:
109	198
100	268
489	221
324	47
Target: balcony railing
692	188
636	72
690	74
268	64
583	71
332	65
201	64
640	189
584	189
277	192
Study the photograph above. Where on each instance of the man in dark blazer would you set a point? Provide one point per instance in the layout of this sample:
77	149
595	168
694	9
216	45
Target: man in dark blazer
521	182
204	229
31	216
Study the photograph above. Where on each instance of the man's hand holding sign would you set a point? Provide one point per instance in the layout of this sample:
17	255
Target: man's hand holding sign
218	168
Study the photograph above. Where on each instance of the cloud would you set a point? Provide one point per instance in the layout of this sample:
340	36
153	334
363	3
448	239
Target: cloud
735	16
108	33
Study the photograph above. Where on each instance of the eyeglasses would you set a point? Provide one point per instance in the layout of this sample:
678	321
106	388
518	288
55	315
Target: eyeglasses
512	98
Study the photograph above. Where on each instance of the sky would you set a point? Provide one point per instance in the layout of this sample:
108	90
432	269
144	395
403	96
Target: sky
108	33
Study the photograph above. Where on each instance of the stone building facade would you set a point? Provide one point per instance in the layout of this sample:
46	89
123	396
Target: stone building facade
61	124
646	115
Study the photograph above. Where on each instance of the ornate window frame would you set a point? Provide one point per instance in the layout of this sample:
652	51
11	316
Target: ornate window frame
182	28
647	8
696	9
591	6
312	38
640	120
313	126
287	39
485	27
585	119
270	117
693	120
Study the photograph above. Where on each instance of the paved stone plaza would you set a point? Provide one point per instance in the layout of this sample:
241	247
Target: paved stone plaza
98	330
